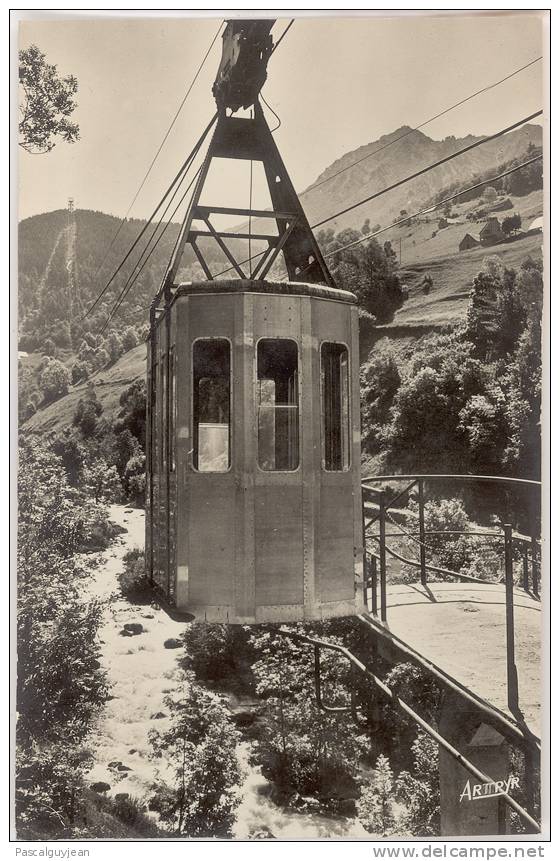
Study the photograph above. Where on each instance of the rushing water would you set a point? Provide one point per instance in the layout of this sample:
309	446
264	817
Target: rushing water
257	813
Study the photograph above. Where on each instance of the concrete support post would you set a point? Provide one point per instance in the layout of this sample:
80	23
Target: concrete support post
468	808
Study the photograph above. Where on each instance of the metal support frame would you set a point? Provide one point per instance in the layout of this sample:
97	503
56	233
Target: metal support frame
250	139
382	557
350	709
421	528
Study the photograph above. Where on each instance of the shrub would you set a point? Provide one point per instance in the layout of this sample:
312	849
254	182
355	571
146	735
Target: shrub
80	371
219	653
303	749
204	794
87	412
129	339
133	581
54	380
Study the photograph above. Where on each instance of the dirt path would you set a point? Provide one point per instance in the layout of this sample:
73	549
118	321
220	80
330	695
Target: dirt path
141	673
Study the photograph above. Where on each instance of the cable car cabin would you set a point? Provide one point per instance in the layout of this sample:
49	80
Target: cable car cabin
254	500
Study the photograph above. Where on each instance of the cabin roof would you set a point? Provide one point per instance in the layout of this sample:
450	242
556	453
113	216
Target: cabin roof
279	288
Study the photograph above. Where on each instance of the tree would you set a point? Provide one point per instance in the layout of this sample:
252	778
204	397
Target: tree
201	745
114	346
380	383
54	380
102	481
80	372
133	411
129	339
87	412
46	104
511	224
490	195
60	685
418	790
367	269
304	749
495	314
376	804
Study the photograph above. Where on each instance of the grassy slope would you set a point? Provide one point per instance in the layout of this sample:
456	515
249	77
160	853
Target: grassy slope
452	271
109	385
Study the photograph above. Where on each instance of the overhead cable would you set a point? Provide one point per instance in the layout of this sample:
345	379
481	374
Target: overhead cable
435	206
167	133
178	178
281	37
135	275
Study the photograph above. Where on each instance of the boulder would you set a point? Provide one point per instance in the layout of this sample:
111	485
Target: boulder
133	629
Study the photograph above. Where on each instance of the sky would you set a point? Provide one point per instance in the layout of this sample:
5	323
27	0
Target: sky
337	83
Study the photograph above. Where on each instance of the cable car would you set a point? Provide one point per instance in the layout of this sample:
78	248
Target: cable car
254	509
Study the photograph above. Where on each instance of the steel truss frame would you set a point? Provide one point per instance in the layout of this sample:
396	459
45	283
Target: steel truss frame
250	139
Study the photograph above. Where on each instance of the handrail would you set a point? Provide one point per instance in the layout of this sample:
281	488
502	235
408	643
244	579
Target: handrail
466	578
438	476
380	500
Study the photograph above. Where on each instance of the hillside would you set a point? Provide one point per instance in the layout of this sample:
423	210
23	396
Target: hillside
452	271
42	251
400	159
109	385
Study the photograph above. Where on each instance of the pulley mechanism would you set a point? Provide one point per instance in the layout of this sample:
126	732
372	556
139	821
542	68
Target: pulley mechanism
247	45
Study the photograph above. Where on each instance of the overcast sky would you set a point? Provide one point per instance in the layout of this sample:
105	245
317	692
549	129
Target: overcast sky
336	83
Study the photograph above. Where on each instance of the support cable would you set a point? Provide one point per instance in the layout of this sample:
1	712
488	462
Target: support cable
281	37
134	277
178	179
408	217
141	186
428	209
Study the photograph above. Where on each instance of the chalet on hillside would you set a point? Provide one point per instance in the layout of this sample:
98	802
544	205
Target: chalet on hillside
491	232
468	241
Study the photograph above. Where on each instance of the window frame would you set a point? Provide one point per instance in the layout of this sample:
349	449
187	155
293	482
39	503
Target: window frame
172	409
257	405
230	423
322	393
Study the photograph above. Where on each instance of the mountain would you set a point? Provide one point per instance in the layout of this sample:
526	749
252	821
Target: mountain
395	156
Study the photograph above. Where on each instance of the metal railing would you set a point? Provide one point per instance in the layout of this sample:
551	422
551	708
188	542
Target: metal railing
375	564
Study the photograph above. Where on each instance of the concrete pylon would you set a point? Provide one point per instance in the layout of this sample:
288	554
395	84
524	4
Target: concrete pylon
469	808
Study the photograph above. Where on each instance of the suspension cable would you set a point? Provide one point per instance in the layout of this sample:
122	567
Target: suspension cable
141	186
178	178
134	277
435	206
